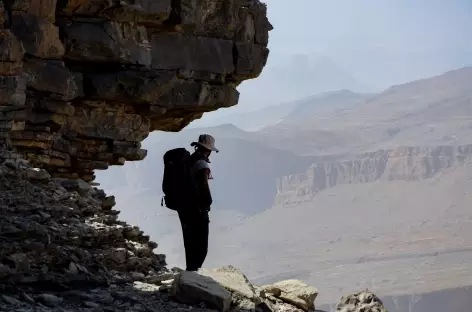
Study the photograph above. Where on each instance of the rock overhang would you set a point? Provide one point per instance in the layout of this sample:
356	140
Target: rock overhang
82	83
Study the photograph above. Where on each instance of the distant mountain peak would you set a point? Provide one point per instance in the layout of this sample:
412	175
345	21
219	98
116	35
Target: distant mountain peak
226	129
309	106
333	94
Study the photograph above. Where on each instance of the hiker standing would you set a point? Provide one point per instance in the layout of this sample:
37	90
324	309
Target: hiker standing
187	191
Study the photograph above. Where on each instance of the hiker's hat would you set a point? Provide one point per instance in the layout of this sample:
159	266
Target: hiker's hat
206	141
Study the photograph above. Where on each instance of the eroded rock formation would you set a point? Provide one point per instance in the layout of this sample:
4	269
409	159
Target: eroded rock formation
403	163
82	83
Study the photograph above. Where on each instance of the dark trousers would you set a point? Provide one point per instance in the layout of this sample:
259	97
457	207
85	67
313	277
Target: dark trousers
195	229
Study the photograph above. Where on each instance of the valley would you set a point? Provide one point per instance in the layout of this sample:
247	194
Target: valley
391	236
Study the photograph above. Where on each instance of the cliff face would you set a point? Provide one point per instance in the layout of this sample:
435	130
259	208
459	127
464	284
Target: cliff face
403	163
82	83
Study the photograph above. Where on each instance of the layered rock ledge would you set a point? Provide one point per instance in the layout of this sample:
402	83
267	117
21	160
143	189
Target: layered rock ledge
82	83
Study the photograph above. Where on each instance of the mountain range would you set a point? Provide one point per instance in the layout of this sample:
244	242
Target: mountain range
298	76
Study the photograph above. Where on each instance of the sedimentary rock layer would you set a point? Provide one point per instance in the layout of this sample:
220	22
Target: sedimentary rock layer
82	83
403	163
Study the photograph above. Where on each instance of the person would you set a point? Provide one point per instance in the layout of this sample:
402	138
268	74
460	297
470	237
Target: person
195	220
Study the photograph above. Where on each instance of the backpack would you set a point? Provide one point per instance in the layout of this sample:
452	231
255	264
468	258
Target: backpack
178	183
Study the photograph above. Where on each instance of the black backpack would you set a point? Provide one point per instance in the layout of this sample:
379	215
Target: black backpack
178	184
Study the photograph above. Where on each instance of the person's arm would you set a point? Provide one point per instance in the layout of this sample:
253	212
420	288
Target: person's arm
204	194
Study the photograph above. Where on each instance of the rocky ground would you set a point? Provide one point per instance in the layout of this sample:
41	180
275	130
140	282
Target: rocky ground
64	249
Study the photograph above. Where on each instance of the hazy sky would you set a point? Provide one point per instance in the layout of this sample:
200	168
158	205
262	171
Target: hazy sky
376	42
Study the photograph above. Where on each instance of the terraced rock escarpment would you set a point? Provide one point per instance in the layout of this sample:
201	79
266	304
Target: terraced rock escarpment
82	83
403	163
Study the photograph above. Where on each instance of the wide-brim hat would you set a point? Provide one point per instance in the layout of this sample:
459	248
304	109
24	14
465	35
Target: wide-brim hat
206	141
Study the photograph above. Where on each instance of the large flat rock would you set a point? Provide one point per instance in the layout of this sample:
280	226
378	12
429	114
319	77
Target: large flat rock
232	279
294	292
193	288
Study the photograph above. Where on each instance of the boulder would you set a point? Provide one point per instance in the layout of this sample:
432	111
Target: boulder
294	292
244	297
364	301
232	279
193	288
288	296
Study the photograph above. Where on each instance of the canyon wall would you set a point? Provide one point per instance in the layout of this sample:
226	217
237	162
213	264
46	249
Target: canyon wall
82	83
403	163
